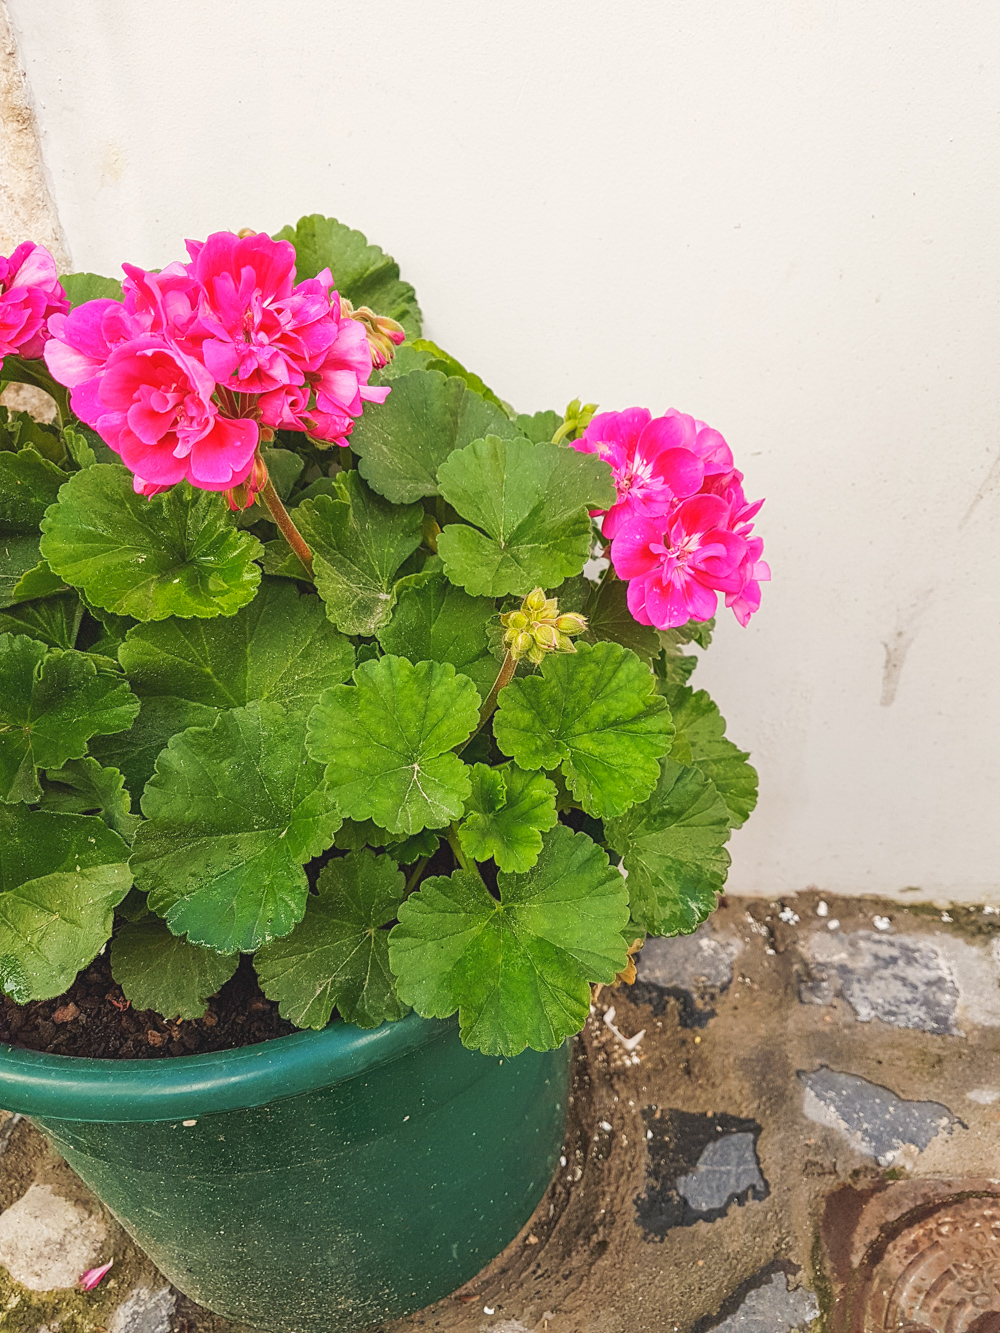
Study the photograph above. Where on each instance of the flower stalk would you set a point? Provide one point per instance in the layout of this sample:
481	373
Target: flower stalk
287	528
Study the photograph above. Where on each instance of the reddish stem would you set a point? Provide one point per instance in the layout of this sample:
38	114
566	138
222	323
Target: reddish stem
288	529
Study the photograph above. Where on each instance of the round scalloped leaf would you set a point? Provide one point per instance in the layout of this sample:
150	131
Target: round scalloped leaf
233	813
29	483
178	554
158	971
358	543
386	742
507	814
280	647
596	713
52	702
531	502
518	970
53	620
19	555
674	849
436	622
700	724
363	273
338	955
84	787
401	444
61	877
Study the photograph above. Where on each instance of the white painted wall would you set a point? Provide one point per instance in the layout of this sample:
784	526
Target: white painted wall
779	215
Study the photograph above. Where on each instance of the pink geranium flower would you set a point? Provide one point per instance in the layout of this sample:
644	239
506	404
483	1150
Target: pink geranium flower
30	292
650	458
678	562
153	406
180	377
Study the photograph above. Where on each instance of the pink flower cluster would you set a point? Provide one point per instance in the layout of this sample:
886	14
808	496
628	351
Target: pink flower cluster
680	530
181	378
29	293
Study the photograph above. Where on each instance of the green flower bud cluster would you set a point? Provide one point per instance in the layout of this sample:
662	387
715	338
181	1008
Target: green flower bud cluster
576	420
539	628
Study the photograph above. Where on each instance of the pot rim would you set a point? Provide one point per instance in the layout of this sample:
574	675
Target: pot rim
184	1087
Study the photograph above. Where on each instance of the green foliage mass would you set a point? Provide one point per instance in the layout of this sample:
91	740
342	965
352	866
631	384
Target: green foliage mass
209	749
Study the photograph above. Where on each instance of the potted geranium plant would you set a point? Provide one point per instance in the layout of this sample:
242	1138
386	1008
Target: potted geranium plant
343	692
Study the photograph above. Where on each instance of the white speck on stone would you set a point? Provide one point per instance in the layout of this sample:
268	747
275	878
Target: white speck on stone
789	917
489	1309
822	909
562	1161
984	1096
990	911
881	923
46	1242
605	1126
945	917
833	924
145	1311
630	1043
188	1123
649	1133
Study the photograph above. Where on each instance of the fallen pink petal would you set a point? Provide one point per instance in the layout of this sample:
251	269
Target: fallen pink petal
90	1279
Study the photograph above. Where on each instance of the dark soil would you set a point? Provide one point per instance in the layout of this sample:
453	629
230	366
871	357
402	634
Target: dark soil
94	1019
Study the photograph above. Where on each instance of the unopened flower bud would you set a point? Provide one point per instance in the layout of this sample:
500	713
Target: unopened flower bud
245	494
522	643
384	334
571	623
545	636
514	620
535	602
564	645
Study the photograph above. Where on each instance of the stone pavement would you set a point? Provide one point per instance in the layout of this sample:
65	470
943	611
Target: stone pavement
792	1120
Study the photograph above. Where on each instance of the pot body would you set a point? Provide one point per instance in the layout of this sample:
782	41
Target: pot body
356	1200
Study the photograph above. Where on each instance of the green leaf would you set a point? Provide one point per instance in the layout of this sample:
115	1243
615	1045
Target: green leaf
423	844
158	971
61	877
233	814
443	361
85	446
29	483
18	554
531	501
81	287
280	647
19	430
674	669
673	847
699	722
36	582
401	445
436	622
386	742
53	620
361	272
51	704
609	618
540	427
178	554
338	956
358	543
518	970
509	810
83	787
134	752
596	713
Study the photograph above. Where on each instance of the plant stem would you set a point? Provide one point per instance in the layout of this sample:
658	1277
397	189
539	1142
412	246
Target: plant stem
289	531
456	846
505	677
415	874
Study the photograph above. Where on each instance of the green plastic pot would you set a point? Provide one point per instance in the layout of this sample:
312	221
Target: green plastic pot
316	1183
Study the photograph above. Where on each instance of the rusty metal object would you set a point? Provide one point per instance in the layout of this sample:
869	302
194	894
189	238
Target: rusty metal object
915	1264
